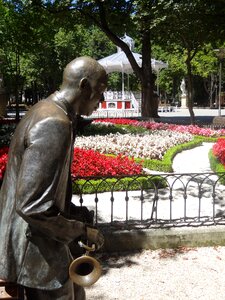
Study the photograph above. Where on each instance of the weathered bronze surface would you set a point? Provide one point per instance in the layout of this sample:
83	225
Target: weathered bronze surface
36	223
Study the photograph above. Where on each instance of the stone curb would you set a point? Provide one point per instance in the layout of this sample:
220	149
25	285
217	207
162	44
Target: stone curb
125	240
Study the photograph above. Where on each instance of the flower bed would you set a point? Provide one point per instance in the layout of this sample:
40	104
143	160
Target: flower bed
150	146
217	159
192	129
218	150
89	163
3	160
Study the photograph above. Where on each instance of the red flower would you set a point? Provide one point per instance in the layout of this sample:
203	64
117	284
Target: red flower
3	160
89	163
219	150
118	121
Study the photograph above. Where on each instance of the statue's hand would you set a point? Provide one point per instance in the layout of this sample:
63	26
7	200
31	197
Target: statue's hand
81	213
95	236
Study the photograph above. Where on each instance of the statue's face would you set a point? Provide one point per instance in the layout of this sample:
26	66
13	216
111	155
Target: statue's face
95	97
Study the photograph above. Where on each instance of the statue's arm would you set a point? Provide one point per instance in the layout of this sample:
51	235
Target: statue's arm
47	148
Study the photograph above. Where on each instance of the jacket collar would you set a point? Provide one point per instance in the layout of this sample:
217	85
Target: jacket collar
69	111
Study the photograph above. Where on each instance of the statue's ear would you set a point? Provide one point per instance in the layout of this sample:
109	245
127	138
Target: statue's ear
83	83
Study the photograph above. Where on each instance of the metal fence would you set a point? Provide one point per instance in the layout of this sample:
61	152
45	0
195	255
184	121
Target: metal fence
123	113
159	200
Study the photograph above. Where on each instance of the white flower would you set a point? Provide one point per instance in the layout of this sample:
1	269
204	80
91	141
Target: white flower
151	146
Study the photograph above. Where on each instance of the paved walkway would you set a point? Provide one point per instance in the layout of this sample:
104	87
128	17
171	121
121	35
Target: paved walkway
195	160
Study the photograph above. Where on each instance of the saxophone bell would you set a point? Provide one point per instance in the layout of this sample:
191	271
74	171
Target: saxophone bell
85	270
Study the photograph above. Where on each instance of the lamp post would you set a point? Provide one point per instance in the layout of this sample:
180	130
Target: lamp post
220	53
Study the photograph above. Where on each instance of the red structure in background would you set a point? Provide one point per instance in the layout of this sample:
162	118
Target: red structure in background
118	101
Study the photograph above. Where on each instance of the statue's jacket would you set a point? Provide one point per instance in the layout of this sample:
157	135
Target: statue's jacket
35	229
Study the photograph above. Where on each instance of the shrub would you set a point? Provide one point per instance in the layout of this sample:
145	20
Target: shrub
6	132
90	186
102	129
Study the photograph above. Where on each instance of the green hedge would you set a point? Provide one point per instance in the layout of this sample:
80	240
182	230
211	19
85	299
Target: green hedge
165	165
101	129
216	166
90	186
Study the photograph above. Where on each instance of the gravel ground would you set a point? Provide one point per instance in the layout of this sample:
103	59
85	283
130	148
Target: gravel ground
182	273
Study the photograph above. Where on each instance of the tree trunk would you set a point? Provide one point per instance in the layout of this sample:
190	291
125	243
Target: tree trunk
17	87
149	104
34	92
190	90
3	98
149	107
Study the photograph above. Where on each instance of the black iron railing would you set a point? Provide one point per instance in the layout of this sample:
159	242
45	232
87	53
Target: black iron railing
158	200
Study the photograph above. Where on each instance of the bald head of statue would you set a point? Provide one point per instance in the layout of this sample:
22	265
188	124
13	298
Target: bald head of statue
84	81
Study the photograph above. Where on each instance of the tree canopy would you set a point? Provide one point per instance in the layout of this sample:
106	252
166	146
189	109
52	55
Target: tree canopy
39	37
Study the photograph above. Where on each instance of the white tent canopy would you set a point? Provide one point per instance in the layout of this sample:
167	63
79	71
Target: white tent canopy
118	62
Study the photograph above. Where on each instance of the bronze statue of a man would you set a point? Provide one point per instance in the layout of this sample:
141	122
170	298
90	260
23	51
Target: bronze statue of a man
36	226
